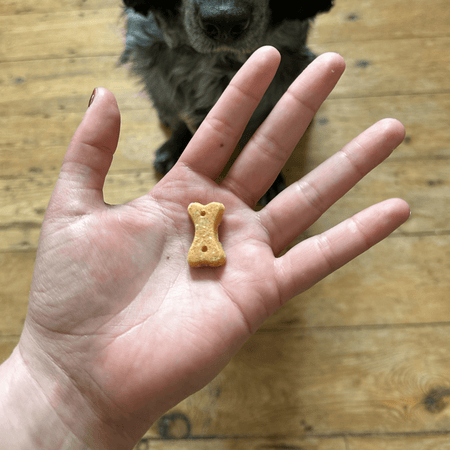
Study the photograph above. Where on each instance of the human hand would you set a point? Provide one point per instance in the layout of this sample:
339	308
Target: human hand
119	327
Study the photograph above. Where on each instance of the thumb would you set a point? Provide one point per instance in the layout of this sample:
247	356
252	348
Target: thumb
88	157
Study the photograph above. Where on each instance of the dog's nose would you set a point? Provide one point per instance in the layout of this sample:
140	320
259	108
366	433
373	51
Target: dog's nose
224	23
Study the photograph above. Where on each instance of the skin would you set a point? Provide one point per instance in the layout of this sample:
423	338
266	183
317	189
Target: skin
119	327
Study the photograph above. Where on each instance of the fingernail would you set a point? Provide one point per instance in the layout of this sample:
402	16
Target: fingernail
92	97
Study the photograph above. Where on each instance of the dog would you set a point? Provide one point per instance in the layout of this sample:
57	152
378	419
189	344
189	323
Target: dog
187	51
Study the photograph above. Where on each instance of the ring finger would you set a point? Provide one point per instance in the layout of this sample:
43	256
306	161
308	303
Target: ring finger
302	203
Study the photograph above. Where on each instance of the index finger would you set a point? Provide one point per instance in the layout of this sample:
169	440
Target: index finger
214	142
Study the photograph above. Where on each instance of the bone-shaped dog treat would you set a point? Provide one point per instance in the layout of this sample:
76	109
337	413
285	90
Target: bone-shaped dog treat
206	248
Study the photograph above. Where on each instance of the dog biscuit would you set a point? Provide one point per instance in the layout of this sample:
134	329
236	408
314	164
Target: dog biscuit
206	248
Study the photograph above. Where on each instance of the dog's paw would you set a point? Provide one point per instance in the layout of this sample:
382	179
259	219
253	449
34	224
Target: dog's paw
278	185
166	156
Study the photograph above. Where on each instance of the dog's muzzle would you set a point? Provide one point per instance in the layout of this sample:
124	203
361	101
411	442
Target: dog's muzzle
224	23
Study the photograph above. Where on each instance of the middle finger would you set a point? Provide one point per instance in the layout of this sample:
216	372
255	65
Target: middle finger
263	157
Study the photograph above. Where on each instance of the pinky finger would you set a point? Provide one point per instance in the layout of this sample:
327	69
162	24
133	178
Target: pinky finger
315	258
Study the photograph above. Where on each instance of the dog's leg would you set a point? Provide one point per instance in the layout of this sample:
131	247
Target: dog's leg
278	185
167	155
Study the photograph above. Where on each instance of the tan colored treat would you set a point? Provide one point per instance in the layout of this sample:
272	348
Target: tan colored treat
206	248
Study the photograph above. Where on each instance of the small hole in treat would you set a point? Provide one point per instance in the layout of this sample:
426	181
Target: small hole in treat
203	213
204	248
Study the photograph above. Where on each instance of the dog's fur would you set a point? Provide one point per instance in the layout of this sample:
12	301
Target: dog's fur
187	51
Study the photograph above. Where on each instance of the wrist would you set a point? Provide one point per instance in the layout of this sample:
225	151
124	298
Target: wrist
41	409
27	420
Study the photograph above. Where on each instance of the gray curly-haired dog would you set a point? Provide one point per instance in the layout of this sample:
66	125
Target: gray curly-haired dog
187	51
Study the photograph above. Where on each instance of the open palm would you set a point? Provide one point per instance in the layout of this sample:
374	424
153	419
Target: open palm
126	328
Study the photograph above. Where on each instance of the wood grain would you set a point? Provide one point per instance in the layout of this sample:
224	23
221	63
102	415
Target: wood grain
327	382
414	442
244	444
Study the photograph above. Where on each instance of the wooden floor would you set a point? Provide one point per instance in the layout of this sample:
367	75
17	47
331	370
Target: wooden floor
362	360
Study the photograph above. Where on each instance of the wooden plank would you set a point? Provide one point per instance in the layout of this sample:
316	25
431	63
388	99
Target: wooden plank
328	382
266	443
415	442
24	200
379	68
401	280
7	345
46	32
58	86
403	354
352	20
388	285
16	270
423	185
385	442
30	143
61	34
339	380
37	144
64	84
332	375
425	118
22	7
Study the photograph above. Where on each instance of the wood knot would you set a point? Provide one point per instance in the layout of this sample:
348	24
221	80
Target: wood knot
434	401
174	425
